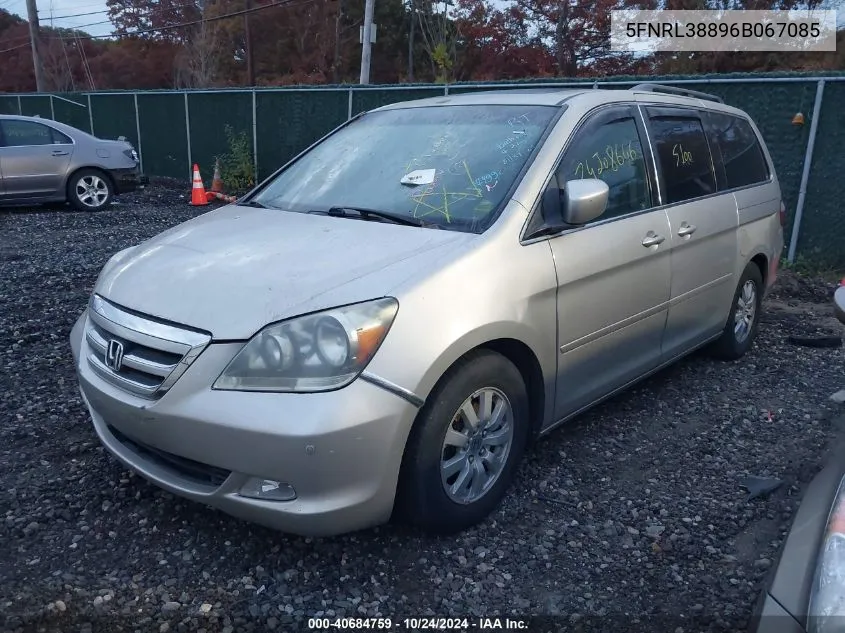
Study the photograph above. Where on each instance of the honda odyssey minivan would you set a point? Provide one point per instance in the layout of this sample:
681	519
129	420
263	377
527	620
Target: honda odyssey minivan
384	326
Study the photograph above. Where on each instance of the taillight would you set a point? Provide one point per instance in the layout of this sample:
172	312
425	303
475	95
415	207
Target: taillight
782	214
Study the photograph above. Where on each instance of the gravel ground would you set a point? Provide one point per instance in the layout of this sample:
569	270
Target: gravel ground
632	515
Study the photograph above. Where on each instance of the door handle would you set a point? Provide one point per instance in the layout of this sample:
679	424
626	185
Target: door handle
653	239
58	152
686	229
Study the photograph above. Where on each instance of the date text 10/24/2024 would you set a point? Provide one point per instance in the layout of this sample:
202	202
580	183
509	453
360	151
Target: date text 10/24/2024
418	624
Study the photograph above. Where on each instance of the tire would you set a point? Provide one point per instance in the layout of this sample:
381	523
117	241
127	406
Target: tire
736	340
422	498
90	190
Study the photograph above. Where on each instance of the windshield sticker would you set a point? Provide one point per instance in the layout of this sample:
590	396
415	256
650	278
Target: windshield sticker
419	177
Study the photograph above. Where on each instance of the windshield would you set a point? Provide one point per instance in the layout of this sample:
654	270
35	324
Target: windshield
450	166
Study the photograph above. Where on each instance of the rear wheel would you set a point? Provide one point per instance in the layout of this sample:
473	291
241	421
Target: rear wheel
466	445
741	328
90	190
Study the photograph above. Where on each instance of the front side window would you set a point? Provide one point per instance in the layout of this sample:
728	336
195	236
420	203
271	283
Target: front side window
610	151
23	133
684	157
450	166
742	155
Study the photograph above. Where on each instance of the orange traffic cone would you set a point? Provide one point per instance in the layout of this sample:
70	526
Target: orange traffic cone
217	181
198	197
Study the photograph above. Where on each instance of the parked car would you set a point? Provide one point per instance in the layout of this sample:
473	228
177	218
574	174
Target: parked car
806	591
43	161
385	324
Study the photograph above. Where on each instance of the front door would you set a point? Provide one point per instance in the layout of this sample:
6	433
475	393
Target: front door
614	273
35	158
703	229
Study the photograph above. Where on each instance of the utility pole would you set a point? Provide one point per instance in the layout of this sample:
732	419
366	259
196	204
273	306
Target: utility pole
32	14
366	43
250	67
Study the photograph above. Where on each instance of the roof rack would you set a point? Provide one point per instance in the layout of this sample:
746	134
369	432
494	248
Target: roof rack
672	90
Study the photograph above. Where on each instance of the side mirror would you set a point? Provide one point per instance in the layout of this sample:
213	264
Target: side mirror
839	302
584	200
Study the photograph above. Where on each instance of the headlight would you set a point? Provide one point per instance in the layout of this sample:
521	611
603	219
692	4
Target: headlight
316	352
827	600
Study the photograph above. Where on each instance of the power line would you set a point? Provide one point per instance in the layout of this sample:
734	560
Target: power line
14	48
170	27
77	27
282	3
153	12
72	15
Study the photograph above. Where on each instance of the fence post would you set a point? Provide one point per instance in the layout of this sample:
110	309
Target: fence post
188	135
805	176
254	136
137	129
349	110
91	117
446	90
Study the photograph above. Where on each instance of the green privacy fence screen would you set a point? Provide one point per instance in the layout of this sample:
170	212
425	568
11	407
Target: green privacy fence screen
174	129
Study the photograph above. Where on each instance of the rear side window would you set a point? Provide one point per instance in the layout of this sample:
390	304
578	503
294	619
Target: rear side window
610	150
742	155
684	157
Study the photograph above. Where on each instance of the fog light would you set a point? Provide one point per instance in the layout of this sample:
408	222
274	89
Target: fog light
267	490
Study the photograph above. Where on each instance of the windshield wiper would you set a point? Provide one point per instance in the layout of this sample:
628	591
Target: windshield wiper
366	214
253	203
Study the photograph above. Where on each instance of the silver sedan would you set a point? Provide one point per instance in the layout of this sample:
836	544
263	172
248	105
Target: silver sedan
44	161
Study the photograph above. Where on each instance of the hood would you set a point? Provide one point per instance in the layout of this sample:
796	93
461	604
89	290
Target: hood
236	269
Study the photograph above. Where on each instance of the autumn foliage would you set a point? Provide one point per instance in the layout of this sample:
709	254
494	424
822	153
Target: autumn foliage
198	44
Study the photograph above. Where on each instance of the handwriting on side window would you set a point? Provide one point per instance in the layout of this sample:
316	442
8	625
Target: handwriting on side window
614	157
682	156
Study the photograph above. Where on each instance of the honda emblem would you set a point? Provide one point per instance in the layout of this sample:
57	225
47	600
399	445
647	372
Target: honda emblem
114	355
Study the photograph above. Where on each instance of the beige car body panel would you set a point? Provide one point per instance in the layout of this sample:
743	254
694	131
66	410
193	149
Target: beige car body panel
584	312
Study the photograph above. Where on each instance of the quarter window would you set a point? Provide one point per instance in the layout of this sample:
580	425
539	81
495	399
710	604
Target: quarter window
684	158
610	151
742	155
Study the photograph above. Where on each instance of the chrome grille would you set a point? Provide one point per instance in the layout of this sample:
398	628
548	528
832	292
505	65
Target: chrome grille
146	357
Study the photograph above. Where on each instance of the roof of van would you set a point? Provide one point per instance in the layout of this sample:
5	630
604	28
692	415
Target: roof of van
556	97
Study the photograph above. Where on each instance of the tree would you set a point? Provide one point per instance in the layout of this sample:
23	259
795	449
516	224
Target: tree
129	16
578	32
197	63
497	44
439	35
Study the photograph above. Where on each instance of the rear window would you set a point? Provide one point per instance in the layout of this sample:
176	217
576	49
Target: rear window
684	157
742	156
451	166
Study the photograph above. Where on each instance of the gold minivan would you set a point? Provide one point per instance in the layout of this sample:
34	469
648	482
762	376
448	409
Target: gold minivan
386	323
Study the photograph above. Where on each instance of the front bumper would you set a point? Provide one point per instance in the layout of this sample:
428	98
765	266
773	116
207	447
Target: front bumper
128	180
784	606
340	451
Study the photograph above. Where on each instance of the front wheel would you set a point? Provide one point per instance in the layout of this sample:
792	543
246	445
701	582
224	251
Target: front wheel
466	445
90	190
741	328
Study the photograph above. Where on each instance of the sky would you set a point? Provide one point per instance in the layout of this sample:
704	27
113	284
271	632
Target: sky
58	9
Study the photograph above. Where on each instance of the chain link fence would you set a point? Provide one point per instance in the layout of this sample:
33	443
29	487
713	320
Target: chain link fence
174	129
